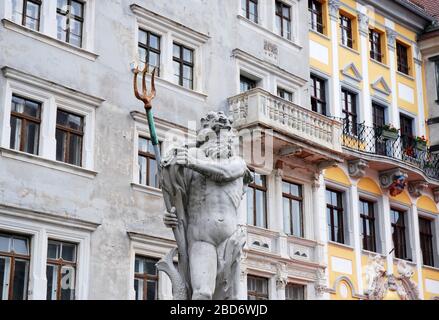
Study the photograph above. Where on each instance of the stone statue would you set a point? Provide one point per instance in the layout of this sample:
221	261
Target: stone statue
203	186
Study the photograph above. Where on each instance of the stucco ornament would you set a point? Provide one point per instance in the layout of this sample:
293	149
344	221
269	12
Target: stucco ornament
375	277
407	284
281	275
379	283
205	183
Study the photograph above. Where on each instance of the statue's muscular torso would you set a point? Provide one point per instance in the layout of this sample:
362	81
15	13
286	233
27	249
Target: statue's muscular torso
212	208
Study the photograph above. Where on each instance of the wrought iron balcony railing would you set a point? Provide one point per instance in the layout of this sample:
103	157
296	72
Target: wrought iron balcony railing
378	141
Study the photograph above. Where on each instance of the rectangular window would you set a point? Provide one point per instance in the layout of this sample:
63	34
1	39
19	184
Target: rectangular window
257	201
257	288
397	219
292	208
149	50
70	21
375	45
284	94
379	120
349	105
14	267
407	132
183	59
294	292
147	164
145	278
402	58
69	137
318	95
367	225
346	31
334	209
316	15
25	125
27	13
426	238
246	84
250	9
283	19
61	270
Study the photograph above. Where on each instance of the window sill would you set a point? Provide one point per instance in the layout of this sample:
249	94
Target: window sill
8	24
368	253
407	76
430	268
270	33
341	245
48	163
324	36
379	63
147	189
410	262
354	51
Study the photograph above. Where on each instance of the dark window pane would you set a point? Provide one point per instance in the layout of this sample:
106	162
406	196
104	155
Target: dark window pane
21	278
53	250
4	277
69	252
151	290
20	246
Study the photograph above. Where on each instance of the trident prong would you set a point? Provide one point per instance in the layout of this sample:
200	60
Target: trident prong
145	97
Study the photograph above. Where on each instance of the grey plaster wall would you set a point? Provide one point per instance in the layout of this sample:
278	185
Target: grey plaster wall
109	198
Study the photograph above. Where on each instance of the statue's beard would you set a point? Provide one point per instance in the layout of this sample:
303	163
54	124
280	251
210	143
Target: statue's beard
218	151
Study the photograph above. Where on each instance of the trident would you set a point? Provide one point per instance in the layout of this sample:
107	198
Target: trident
147	102
165	264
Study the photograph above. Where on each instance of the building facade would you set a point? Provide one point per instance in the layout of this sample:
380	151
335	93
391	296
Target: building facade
310	85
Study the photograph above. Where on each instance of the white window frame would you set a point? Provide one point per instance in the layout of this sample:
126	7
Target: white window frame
409	235
170	32
151	247
379	220
39	230
52	97
348	222
48	27
168	136
433	217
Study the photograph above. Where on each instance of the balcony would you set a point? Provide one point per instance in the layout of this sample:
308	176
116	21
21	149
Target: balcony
384	152
296	130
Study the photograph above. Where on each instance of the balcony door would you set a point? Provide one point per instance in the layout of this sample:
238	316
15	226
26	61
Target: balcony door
379	120
406	124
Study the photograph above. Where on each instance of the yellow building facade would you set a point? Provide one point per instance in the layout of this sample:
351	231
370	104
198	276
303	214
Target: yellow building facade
367	72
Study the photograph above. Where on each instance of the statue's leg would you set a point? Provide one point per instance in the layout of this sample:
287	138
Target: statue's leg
203	267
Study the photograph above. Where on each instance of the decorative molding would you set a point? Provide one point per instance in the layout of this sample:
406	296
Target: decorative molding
8	24
267	67
436	195
47	163
290	151
168	24
281	275
334	7
271	51
357	168
387	90
363	20
395	180
391	39
52	87
416	187
357	75
64	220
